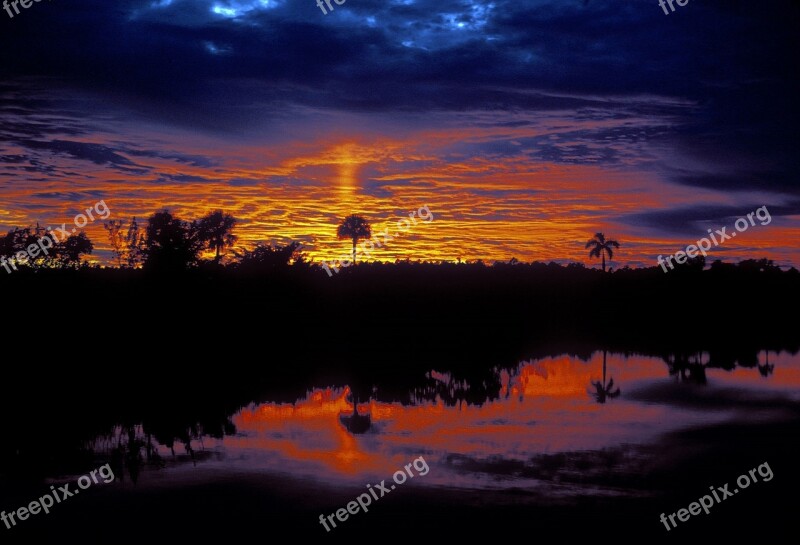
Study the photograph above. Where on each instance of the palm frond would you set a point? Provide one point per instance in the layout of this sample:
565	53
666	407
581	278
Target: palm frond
354	227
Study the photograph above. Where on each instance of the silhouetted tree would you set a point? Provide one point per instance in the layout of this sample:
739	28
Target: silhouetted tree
695	264
170	243
70	250
15	241
354	228
65	253
758	265
135	244
600	247
214	230
117	239
19	240
42	260
267	257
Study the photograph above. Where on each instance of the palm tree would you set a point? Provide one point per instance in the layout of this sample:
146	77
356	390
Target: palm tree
215	230
355	228
600	247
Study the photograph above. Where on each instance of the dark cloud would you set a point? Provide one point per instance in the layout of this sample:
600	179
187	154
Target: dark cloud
744	181
381	54
192	160
718	78
698	219
96	153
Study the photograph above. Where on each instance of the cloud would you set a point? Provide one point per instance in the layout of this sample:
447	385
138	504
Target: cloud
96	153
472	94
691	220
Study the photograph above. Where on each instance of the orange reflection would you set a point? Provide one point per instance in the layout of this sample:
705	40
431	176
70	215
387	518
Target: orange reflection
318	413
544	407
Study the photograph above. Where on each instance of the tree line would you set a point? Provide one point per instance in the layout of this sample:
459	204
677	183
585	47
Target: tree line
168	243
165	242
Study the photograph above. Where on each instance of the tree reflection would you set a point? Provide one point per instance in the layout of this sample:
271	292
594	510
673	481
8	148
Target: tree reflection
603	390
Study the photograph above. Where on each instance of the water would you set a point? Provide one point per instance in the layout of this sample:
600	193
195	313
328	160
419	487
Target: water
542	409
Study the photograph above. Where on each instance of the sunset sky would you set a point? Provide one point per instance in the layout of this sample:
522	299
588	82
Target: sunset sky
524	125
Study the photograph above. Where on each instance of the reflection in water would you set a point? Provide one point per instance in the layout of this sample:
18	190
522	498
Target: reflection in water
691	367
605	390
531	427
688	367
130	448
766	369
355	423
541	410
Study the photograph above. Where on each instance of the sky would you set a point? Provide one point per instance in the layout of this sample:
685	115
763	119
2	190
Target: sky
525	126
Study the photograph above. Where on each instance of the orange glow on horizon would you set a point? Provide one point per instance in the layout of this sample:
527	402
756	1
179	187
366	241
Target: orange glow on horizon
484	208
